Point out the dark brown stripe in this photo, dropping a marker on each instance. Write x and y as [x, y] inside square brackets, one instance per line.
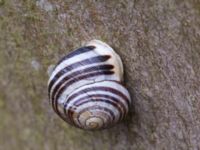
[100, 88]
[76, 52]
[79, 72]
[78, 78]
[92, 60]
[121, 107]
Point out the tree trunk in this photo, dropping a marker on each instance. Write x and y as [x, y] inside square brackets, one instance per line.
[159, 43]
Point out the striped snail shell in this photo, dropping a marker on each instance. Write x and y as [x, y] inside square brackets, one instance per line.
[85, 87]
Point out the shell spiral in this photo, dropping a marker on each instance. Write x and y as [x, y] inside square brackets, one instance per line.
[85, 87]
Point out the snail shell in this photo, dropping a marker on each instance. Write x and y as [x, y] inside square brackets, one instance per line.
[85, 88]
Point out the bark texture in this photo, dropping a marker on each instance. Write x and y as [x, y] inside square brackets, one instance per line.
[159, 42]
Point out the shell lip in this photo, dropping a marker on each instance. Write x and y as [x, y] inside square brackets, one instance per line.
[98, 42]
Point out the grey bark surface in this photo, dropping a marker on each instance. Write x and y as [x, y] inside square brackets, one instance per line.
[159, 43]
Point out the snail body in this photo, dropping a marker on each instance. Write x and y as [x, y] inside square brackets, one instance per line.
[85, 88]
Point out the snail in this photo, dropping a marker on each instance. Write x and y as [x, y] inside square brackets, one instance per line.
[86, 87]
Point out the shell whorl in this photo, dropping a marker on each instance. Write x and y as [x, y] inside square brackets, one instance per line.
[85, 87]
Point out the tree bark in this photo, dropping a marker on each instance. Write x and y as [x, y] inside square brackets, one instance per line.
[159, 43]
